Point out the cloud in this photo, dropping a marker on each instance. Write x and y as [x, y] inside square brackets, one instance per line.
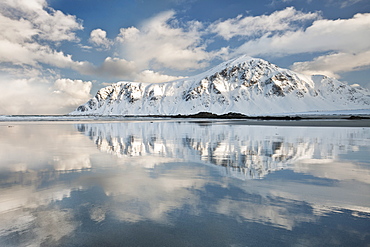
[328, 3]
[345, 35]
[77, 90]
[122, 69]
[347, 3]
[30, 31]
[154, 77]
[116, 67]
[111, 68]
[39, 96]
[334, 63]
[128, 34]
[163, 42]
[35, 19]
[98, 37]
[343, 44]
[283, 20]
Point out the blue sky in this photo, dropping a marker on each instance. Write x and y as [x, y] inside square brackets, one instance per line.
[55, 54]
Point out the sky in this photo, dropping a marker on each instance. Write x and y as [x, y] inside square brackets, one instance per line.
[56, 54]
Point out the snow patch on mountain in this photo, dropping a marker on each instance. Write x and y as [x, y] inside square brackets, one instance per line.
[249, 86]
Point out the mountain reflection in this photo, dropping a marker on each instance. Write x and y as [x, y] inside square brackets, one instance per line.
[130, 183]
[246, 152]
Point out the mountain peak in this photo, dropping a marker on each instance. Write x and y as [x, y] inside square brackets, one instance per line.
[244, 85]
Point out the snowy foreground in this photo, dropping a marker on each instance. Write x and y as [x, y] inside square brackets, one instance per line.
[246, 86]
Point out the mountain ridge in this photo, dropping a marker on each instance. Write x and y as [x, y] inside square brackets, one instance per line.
[245, 85]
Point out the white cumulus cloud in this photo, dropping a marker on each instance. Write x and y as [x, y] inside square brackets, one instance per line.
[344, 35]
[38, 96]
[284, 20]
[154, 77]
[26, 28]
[162, 42]
[98, 37]
[343, 43]
[77, 91]
[110, 68]
[37, 19]
[334, 63]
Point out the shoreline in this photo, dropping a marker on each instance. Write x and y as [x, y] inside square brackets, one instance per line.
[230, 119]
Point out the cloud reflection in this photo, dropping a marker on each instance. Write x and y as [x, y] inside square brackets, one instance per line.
[249, 152]
[137, 172]
[246, 152]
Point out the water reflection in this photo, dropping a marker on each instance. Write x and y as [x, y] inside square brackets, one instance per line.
[248, 152]
[183, 184]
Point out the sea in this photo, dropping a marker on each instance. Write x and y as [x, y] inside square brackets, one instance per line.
[183, 182]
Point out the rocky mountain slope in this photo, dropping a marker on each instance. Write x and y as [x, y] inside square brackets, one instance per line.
[248, 86]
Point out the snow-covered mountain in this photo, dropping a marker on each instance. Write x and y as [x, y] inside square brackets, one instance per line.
[249, 86]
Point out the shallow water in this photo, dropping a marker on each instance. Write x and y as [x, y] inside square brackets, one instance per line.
[183, 183]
